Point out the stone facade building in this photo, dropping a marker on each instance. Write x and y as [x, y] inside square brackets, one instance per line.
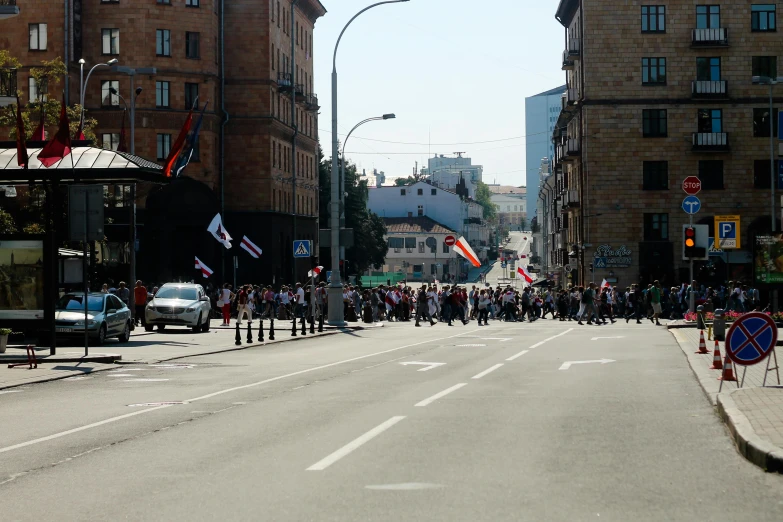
[237, 56]
[657, 91]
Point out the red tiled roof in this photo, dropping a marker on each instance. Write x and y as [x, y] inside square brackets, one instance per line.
[414, 225]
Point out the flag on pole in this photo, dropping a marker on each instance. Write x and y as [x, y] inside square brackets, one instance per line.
[22, 157]
[605, 284]
[190, 146]
[60, 145]
[315, 271]
[218, 232]
[463, 248]
[205, 270]
[39, 134]
[251, 247]
[521, 270]
[80, 131]
[176, 149]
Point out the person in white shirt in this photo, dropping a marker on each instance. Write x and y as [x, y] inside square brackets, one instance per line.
[300, 299]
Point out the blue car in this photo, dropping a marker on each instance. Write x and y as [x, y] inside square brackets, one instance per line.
[107, 317]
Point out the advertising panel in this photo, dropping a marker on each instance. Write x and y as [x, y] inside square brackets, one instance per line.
[21, 279]
[768, 259]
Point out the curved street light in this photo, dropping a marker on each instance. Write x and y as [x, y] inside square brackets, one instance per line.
[335, 294]
[83, 82]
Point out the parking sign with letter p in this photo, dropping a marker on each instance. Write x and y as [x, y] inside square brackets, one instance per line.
[727, 230]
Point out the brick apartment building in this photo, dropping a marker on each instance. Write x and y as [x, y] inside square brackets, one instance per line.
[235, 55]
[658, 91]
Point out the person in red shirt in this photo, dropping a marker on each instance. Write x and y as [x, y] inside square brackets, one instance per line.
[140, 303]
[456, 305]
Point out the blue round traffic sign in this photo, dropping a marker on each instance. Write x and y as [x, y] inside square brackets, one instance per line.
[691, 205]
[751, 338]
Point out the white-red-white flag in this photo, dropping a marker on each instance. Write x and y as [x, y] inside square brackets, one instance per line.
[251, 247]
[205, 270]
[463, 248]
[315, 271]
[521, 270]
[219, 232]
[605, 284]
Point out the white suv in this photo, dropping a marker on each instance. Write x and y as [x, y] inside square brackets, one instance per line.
[179, 304]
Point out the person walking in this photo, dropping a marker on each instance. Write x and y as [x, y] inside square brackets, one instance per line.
[655, 301]
[226, 296]
[140, 303]
[422, 306]
[243, 305]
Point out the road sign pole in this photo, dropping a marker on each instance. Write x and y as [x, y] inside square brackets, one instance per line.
[692, 298]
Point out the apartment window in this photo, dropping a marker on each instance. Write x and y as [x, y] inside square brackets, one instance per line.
[445, 248]
[162, 94]
[710, 120]
[653, 71]
[421, 247]
[762, 17]
[711, 174]
[165, 2]
[653, 18]
[37, 37]
[420, 210]
[37, 90]
[278, 13]
[110, 1]
[402, 192]
[191, 46]
[761, 123]
[654, 123]
[765, 66]
[110, 39]
[163, 42]
[655, 175]
[110, 141]
[433, 269]
[707, 16]
[419, 192]
[164, 146]
[708, 69]
[433, 192]
[761, 174]
[656, 227]
[191, 3]
[191, 94]
[108, 99]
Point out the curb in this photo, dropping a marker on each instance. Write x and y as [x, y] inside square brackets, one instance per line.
[102, 359]
[760, 452]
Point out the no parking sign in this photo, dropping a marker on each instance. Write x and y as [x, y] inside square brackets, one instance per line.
[751, 338]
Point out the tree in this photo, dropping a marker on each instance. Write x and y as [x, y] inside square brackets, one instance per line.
[401, 182]
[522, 224]
[7, 225]
[368, 228]
[484, 198]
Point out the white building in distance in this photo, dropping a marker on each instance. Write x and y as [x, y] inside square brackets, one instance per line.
[446, 172]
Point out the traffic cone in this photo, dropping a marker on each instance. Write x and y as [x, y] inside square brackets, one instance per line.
[702, 344]
[716, 362]
[728, 372]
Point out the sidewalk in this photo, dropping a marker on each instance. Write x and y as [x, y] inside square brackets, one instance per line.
[148, 348]
[753, 414]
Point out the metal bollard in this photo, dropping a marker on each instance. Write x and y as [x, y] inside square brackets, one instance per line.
[321, 322]
[719, 325]
[238, 336]
[261, 331]
[304, 332]
[293, 327]
[709, 332]
[249, 333]
[272, 327]
[700, 317]
[312, 325]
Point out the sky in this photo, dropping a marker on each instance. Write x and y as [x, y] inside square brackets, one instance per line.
[455, 73]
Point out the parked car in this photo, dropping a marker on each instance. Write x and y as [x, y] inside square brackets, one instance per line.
[179, 304]
[107, 317]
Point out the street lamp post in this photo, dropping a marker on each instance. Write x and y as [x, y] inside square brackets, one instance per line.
[83, 81]
[342, 172]
[336, 316]
[766, 80]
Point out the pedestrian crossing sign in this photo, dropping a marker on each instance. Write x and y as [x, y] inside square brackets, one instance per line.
[302, 248]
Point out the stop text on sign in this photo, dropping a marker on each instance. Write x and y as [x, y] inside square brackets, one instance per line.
[691, 185]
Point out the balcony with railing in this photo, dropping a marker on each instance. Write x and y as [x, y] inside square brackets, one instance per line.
[717, 37]
[284, 82]
[8, 8]
[710, 89]
[710, 141]
[7, 87]
[572, 96]
[311, 102]
[568, 61]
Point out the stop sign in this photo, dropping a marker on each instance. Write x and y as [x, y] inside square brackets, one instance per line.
[691, 185]
[450, 240]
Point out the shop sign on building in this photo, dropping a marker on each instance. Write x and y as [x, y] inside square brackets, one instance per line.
[606, 257]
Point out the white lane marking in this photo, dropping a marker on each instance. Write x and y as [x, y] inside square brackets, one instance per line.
[316, 368]
[520, 354]
[470, 345]
[550, 338]
[354, 445]
[566, 365]
[129, 370]
[488, 370]
[501, 339]
[144, 380]
[428, 365]
[615, 337]
[112, 374]
[80, 428]
[229, 390]
[10, 391]
[405, 486]
[438, 395]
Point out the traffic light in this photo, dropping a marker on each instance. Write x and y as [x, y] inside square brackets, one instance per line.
[690, 250]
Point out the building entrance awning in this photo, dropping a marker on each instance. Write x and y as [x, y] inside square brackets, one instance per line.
[90, 165]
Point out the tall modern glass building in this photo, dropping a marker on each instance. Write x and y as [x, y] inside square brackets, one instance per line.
[541, 112]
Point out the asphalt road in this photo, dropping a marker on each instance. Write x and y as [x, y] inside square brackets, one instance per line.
[511, 425]
[519, 241]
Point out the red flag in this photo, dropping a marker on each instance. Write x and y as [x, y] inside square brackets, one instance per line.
[21, 147]
[39, 134]
[122, 146]
[80, 131]
[178, 145]
[60, 145]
